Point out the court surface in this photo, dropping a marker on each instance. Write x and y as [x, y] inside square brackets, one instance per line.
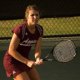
[50, 70]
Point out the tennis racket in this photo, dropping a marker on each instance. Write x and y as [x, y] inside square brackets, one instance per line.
[64, 51]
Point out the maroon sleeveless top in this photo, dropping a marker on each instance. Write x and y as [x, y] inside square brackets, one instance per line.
[27, 39]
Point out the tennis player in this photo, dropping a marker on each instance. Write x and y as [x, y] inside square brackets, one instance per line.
[16, 59]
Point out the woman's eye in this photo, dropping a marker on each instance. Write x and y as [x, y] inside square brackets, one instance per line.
[34, 15]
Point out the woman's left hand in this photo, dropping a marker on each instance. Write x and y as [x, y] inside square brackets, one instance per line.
[38, 62]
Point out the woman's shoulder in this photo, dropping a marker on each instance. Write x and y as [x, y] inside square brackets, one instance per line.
[40, 26]
[40, 29]
[19, 30]
[18, 26]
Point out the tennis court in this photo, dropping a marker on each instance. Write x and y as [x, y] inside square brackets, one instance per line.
[51, 70]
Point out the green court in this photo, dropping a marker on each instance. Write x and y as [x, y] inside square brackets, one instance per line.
[50, 70]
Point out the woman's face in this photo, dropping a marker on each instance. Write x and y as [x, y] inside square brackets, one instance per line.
[32, 17]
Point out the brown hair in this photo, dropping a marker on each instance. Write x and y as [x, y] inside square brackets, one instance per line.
[29, 7]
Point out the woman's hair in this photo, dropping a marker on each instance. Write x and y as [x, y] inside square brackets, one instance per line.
[31, 7]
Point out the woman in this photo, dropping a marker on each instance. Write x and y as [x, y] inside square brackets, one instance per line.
[16, 60]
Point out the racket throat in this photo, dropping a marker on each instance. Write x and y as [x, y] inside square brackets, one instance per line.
[47, 59]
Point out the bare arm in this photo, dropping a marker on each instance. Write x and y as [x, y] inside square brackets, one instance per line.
[38, 51]
[12, 50]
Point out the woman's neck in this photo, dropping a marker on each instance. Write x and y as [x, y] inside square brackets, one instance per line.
[31, 28]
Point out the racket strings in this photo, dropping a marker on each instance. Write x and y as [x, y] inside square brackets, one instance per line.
[64, 51]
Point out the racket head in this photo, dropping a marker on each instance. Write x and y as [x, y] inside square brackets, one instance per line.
[64, 51]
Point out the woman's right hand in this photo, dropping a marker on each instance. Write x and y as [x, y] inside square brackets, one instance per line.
[30, 63]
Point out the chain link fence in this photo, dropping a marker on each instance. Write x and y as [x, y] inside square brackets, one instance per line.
[52, 26]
